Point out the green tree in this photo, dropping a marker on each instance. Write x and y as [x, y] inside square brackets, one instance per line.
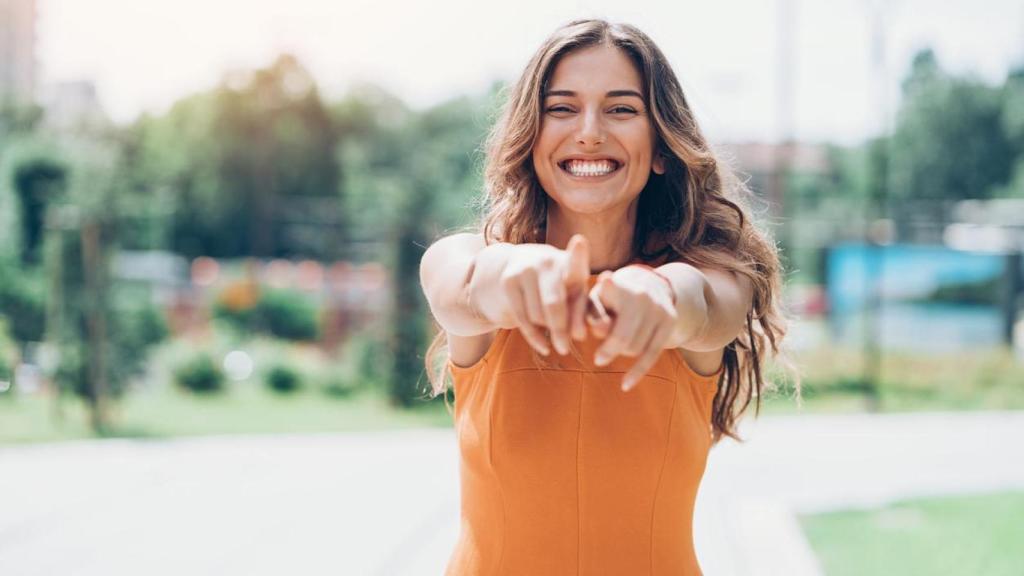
[950, 140]
[248, 168]
[37, 181]
[1013, 126]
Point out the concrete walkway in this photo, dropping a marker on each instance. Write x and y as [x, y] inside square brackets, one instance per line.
[386, 503]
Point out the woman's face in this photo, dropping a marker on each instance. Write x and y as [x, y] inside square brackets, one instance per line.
[595, 147]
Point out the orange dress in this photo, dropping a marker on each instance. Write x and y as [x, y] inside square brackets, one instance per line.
[562, 473]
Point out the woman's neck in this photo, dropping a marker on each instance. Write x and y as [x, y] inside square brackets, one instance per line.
[610, 236]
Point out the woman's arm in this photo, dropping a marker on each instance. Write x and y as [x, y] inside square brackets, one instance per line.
[474, 288]
[457, 267]
[712, 305]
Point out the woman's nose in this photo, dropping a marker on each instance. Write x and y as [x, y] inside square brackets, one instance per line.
[590, 131]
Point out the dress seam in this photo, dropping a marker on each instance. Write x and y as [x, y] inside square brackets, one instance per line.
[580, 371]
[497, 477]
[579, 507]
[661, 471]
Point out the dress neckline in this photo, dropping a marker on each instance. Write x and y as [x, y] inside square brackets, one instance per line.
[636, 261]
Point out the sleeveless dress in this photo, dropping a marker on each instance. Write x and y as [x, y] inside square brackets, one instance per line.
[562, 473]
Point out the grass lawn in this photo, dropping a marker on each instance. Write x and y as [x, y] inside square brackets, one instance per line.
[979, 535]
[244, 410]
[966, 380]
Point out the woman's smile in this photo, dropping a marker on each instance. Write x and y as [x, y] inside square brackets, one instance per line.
[590, 171]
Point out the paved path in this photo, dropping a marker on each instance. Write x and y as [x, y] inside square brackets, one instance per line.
[385, 503]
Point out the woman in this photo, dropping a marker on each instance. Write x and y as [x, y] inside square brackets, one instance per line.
[615, 251]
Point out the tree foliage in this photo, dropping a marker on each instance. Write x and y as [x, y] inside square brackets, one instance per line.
[951, 139]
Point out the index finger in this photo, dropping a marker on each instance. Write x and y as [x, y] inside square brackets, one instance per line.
[554, 307]
[647, 359]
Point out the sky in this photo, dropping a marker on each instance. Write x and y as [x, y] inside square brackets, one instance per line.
[728, 54]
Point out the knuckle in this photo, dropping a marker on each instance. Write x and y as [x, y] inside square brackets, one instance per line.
[509, 281]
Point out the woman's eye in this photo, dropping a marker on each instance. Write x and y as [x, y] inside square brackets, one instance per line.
[615, 110]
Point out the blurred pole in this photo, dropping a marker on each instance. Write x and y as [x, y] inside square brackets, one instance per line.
[1012, 288]
[53, 259]
[784, 149]
[878, 158]
[95, 310]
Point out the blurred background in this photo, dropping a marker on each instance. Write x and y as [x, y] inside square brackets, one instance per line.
[211, 221]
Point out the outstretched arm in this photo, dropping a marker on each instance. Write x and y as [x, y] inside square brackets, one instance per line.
[711, 304]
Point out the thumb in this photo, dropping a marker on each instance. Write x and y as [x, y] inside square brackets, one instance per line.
[607, 292]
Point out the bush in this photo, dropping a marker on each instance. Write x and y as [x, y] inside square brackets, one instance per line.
[6, 359]
[281, 313]
[135, 326]
[339, 385]
[283, 379]
[236, 305]
[287, 314]
[200, 374]
[23, 301]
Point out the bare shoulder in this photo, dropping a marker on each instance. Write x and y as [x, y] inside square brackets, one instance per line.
[703, 362]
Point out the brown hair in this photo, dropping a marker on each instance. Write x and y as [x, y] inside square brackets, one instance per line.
[695, 212]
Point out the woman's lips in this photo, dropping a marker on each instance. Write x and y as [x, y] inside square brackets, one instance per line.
[588, 178]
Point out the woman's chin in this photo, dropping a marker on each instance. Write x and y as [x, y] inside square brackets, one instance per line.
[585, 205]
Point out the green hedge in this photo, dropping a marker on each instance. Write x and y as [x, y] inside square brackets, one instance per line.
[200, 374]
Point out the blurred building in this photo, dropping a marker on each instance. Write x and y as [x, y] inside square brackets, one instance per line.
[986, 225]
[762, 161]
[18, 48]
[766, 167]
[72, 105]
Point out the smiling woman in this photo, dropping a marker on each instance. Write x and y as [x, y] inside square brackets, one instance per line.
[614, 238]
[595, 94]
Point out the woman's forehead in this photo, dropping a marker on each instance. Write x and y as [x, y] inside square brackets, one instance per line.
[596, 70]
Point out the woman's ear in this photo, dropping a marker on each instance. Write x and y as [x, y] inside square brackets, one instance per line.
[659, 164]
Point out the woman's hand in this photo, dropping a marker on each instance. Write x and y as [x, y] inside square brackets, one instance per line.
[641, 318]
[546, 288]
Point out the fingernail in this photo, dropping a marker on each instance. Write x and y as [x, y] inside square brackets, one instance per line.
[600, 359]
[626, 386]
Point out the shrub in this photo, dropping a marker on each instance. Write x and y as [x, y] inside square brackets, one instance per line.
[283, 379]
[236, 305]
[6, 360]
[284, 314]
[200, 374]
[338, 384]
[23, 301]
[287, 314]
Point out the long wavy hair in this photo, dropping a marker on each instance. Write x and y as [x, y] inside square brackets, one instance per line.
[696, 212]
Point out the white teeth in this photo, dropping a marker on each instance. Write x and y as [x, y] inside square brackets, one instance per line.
[589, 168]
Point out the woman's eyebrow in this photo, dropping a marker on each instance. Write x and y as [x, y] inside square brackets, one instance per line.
[610, 94]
